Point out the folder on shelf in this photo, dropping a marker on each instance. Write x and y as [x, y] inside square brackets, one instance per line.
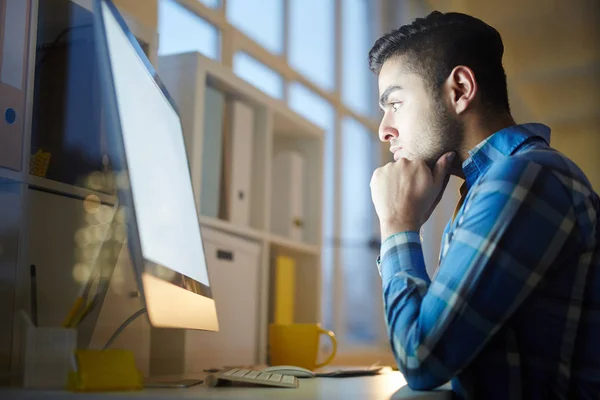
[288, 191]
[14, 38]
[237, 165]
[285, 289]
[212, 148]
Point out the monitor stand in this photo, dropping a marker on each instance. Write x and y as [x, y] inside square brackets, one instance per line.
[171, 382]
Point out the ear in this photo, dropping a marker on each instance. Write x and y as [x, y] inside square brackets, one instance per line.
[462, 88]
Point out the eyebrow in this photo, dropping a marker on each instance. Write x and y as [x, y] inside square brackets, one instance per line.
[384, 96]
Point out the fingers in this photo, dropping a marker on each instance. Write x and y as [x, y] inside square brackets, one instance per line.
[443, 189]
[442, 167]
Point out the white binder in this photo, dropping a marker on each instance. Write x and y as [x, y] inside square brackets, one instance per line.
[14, 39]
[241, 144]
[287, 200]
[212, 150]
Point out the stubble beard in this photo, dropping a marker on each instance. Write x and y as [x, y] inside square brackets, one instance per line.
[446, 133]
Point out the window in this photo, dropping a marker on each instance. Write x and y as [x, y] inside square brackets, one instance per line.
[311, 40]
[356, 43]
[182, 31]
[211, 3]
[316, 39]
[262, 20]
[362, 310]
[321, 113]
[258, 74]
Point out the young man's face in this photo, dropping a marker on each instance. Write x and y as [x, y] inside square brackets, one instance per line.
[415, 123]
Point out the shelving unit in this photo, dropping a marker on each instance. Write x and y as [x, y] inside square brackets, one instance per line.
[291, 246]
[275, 127]
[225, 226]
[64, 189]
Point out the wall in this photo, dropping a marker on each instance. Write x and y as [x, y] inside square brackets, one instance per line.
[144, 11]
[581, 143]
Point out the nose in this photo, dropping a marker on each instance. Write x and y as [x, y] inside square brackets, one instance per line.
[386, 131]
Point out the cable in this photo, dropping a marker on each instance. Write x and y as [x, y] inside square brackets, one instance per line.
[48, 47]
[124, 325]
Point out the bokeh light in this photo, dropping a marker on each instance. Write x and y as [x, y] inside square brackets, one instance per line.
[92, 204]
[105, 214]
[95, 181]
[120, 233]
[122, 181]
[81, 272]
[121, 216]
[82, 237]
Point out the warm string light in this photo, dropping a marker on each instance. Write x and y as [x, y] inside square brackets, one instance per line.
[98, 242]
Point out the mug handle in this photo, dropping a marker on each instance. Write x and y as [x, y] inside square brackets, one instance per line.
[333, 351]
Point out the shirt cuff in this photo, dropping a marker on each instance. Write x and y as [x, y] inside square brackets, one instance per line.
[402, 252]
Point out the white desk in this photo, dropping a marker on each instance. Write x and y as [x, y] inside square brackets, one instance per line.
[388, 385]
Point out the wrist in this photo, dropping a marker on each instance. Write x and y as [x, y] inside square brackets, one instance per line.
[389, 228]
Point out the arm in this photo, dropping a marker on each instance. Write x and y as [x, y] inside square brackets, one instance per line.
[515, 225]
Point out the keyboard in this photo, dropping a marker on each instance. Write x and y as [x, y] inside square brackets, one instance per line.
[253, 377]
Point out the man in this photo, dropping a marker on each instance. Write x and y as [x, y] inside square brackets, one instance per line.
[513, 311]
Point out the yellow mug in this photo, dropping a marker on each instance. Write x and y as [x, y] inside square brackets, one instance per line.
[298, 345]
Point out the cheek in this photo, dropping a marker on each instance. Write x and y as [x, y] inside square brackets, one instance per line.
[419, 135]
[409, 127]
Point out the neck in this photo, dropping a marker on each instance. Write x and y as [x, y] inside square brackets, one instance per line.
[477, 129]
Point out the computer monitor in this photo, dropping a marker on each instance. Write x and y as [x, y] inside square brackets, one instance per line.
[147, 153]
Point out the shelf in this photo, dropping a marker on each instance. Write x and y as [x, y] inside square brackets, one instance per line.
[294, 246]
[286, 123]
[8, 175]
[49, 185]
[226, 226]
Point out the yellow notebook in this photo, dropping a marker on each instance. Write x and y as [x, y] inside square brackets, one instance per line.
[285, 289]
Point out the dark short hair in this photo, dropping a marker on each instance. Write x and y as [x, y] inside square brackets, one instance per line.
[434, 45]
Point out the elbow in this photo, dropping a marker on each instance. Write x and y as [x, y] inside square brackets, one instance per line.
[420, 370]
[421, 382]
[421, 378]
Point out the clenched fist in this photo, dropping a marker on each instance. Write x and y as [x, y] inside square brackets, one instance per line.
[406, 192]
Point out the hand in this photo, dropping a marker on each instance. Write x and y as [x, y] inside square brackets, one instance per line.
[406, 192]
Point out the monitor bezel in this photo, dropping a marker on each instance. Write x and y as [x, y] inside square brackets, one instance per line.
[119, 164]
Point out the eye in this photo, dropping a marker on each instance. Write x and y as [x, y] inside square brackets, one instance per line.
[395, 106]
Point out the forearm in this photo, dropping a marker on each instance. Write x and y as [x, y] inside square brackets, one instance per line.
[405, 283]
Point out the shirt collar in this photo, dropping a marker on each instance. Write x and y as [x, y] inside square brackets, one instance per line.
[498, 146]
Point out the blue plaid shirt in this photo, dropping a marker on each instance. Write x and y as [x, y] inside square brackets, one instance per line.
[513, 311]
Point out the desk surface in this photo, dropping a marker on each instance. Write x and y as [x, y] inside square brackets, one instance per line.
[388, 385]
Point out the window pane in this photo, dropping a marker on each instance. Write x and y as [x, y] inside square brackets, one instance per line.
[311, 40]
[258, 74]
[356, 43]
[321, 113]
[182, 31]
[262, 20]
[211, 3]
[362, 287]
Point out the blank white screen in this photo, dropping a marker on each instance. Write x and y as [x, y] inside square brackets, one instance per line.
[157, 162]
